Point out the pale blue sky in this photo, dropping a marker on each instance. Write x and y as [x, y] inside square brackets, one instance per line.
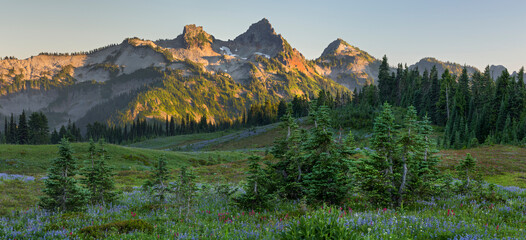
[470, 32]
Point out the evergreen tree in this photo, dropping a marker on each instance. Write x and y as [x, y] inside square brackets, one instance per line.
[326, 181]
[256, 194]
[99, 177]
[289, 170]
[23, 129]
[55, 138]
[6, 131]
[502, 86]
[462, 94]
[158, 184]
[38, 129]
[172, 126]
[433, 95]
[61, 190]
[12, 131]
[466, 170]
[385, 85]
[426, 173]
[88, 173]
[411, 145]
[416, 170]
[520, 78]
[282, 108]
[376, 174]
[445, 99]
[167, 127]
[186, 187]
[63, 133]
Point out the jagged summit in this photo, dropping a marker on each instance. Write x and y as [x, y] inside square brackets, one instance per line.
[263, 27]
[195, 37]
[259, 33]
[211, 78]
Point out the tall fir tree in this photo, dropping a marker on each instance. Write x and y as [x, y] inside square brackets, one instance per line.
[445, 100]
[462, 94]
[426, 172]
[61, 189]
[257, 194]
[158, 182]
[38, 128]
[289, 170]
[433, 95]
[385, 81]
[23, 129]
[186, 188]
[6, 131]
[410, 145]
[326, 181]
[376, 174]
[99, 177]
[13, 131]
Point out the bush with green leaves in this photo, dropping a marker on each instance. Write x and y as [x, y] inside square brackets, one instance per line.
[125, 226]
[321, 224]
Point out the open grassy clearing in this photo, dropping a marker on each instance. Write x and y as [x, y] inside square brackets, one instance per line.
[179, 140]
[257, 141]
[500, 164]
[34, 159]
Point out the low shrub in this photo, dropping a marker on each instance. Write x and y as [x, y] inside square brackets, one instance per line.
[121, 227]
[318, 226]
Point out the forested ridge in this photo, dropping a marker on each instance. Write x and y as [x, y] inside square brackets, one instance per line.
[469, 109]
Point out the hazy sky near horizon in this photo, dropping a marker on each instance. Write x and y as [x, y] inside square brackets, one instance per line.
[472, 32]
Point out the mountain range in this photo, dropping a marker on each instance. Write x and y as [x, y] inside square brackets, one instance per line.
[192, 75]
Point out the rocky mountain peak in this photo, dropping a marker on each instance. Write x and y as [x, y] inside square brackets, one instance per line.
[338, 47]
[260, 33]
[195, 37]
[263, 27]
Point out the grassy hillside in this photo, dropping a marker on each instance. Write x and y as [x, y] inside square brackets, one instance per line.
[131, 166]
[248, 139]
[34, 160]
[179, 140]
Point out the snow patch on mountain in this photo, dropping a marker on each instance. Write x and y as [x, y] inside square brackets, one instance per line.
[227, 51]
[262, 54]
